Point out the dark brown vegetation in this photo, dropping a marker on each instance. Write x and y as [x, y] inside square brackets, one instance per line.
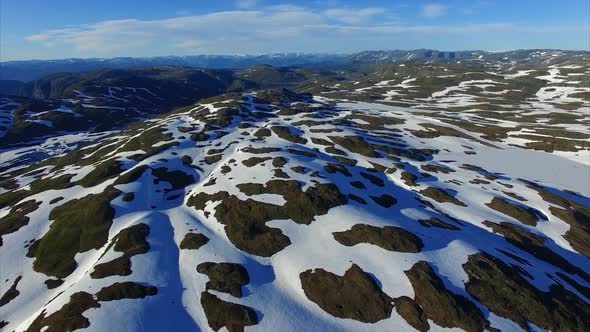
[193, 241]
[435, 222]
[443, 307]
[70, 317]
[130, 241]
[534, 245]
[11, 293]
[245, 220]
[177, 179]
[17, 218]
[354, 295]
[286, 134]
[225, 277]
[355, 144]
[384, 200]
[102, 172]
[231, 315]
[79, 225]
[441, 196]
[573, 213]
[125, 290]
[389, 238]
[495, 284]
[525, 215]
[412, 313]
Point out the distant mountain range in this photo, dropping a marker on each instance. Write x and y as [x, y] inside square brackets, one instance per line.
[34, 69]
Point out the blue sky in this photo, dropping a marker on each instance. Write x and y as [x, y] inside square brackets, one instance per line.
[41, 29]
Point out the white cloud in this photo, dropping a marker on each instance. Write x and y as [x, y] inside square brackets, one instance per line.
[191, 44]
[434, 10]
[270, 29]
[224, 27]
[353, 16]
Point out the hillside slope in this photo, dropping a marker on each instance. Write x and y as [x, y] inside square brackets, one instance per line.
[273, 210]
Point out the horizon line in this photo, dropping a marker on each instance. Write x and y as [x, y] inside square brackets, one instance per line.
[299, 53]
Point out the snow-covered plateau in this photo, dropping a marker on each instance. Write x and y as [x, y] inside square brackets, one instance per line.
[377, 204]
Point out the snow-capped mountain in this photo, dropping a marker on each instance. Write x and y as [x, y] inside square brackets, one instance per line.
[407, 196]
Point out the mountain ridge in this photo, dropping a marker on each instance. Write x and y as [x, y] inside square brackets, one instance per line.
[27, 70]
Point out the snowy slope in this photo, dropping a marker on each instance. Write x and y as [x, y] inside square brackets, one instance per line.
[275, 182]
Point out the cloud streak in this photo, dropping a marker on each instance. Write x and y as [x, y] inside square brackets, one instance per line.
[270, 29]
[354, 16]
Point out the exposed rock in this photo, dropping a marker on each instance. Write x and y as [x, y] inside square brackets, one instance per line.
[373, 179]
[262, 132]
[177, 179]
[286, 134]
[79, 225]
[17, 218]
[253, 161]
[436, 168]
[443, 307]
[441, 196]
[384, 200]
[355, 144]
[120, 266]
[279, 162]
[225, 277]
[358, 185]
[226, 314]
[130, 241]
[412, 313]
[389, 238]
[573, 213]
[336, 168]
[409, 179]
[354, 295]
[53, 283]
[68, 318]
[125, 290]
[11, 293]
[55, 200]
[534, 245]
[128, 197]
[102, 172]
[131, 176]
[435, 222]
[193, 241]
[245, 220]
[495, 285]
[525, 215]
[264, 150]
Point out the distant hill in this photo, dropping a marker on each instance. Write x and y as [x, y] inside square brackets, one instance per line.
[10, 87]
[34, 69]
[107, 99]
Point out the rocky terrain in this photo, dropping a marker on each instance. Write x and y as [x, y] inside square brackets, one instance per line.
[403, 196]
